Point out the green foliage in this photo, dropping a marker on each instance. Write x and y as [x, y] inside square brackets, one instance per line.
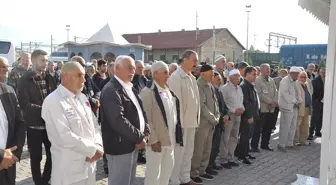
[322, 64]
[250, 62]
[281, 64]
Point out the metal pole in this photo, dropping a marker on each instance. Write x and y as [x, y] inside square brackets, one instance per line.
[30, 46]
[51, 44]
[269, 43]
[247, 31]
[213, 44]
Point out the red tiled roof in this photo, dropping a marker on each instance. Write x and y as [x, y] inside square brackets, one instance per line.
[174, 39]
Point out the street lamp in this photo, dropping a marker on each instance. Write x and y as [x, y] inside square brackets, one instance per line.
[67, 28]
[247, 29]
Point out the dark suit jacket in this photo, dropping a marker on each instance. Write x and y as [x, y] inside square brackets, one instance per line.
[139, 82]
[251, 102]
[318, 93]
[16, 130]
[120, 120]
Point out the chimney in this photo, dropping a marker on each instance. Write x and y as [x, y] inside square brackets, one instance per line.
[139, 39]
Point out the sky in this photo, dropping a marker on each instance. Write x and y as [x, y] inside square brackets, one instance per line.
[37, 20]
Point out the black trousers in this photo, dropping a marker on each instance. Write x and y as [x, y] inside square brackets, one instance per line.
[35, 139]
[7, 177]
[316, 122]
[244, 139]
[216, 139]
[275, 117]
[262, 127]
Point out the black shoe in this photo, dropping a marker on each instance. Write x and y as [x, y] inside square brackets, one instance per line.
[211, 172]
[256, 150]
[226, 166]
[141, 159]
[233, 164]
[267, 148]
[245, 161]
[207, 177]
[318, 135]
[250, 156]
[310, 138]
[217, 168]
[197, 180]
[106, 171]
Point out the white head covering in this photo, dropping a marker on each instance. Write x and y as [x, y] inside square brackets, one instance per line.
[295, 69]
[147, 67]
[234, 72]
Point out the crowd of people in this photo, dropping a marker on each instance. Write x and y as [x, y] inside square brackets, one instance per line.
[186, 121]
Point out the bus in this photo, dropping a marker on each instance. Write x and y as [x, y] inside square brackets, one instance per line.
[7, 50]
[58, 56]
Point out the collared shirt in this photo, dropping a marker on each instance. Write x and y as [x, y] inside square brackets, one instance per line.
[130, 93]
[233, 96]
[3, 127]
[170, 109]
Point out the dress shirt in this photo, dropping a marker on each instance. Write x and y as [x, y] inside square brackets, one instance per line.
[130, 93]
[3, 127]
[170, 110]
[233, 96]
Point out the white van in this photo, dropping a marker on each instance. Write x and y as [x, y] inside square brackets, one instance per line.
[7, 50]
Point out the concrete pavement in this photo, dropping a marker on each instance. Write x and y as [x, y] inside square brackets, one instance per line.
[270, 168]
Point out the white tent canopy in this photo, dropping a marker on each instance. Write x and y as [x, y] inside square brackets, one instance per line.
[105, 34]
[319, 8]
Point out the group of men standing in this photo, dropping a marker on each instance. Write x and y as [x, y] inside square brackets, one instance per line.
[183, 122]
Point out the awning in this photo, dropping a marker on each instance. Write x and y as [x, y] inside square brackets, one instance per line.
[319, 8]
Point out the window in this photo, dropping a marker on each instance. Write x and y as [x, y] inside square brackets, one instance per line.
[150, 57]
[4, 47]
[162, 57]
[175, 58]
[59, 54]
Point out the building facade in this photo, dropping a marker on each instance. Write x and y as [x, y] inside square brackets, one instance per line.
[169, 46]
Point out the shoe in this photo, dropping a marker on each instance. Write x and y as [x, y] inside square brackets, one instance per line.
[211, 172]
[233, 164]
[318, 135]
[226, 166]
[292, 147]
[106, 171]
[217, 168]
[245, 160]
[282, 149]
[310, 138]
[273, 130]
[306, 143]
[197, 180]
[250, 156]
[267, 148]
[256, 150]
[207, 177]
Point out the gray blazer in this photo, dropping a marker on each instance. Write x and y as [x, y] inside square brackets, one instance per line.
[209, 109]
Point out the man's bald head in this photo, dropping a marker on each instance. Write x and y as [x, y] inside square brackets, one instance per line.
[73, 74]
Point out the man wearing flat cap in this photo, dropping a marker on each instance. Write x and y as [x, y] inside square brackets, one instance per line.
[208, 120]
[289, 101]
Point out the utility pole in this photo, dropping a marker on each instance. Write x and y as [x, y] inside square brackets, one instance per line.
[213, 45]
[51, 44]
[67, 28]
[30, 46]
[247, 30]
[196, 24]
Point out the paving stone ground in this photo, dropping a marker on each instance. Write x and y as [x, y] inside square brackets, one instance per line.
[270, 168]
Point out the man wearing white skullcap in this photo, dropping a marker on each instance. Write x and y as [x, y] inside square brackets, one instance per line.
[220, 67]
[233, 97]
[148, 72]
[289, 101]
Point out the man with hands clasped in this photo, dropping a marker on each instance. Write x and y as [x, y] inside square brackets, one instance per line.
[251, 114]
[73, 130]
[233, 97]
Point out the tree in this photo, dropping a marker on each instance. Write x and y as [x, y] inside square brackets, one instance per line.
[251, 48]
[250, 62]
[322, 64]
[281, 64]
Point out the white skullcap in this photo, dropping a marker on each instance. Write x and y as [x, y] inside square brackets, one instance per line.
[147, 67]
[295, 69]
[234, 72]
[158, 65]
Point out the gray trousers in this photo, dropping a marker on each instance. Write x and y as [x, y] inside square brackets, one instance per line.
[122, 168]
[229, 139]
[287, 127]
